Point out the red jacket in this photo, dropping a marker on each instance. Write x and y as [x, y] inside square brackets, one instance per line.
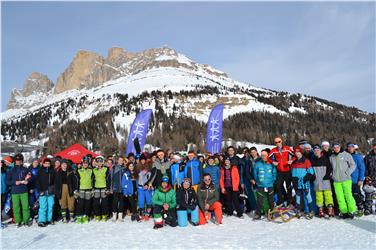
[235, 178]
[282, 158]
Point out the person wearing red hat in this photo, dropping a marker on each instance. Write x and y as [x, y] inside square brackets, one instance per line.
[281, 157]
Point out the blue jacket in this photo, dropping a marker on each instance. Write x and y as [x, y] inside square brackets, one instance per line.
[116, 175]
[4, 188]
[265, 174]
[177, 174]
[300, 168]
[127, 184]
[359, 172]
[34, 171]
[17, 173]
[214, 172]
[193, 170]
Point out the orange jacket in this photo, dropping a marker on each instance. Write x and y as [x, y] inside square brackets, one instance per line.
[235, 178]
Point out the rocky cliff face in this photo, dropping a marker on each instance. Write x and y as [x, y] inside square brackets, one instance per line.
[35, 84]
[89, 70]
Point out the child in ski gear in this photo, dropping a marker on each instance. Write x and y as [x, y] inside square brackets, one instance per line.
[101, 186]
[370, 193]
[343, 166]
[33, 191]
[208, 201]
[129, 186]
[85, 175]
[164, 203]
[193, 170]
[323, 172]
[45, 182]
[186, 199]
[212, 168]
[247, 163]
[281, 157]
[265, 174]
[177, 171]
[116, 189]
[161, 167]
[65, 186]
[229, 184]
[144, 192]
[357, 177]
[17, 179]
[302, 173]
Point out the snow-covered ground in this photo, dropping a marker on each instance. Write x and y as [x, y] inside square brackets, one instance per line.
[234, 233]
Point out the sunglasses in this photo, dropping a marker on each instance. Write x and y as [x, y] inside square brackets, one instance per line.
[277, 142]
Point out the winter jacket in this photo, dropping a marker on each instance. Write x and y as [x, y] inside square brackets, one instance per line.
[34, 172]
[282, 156]
[45, 181]
[162, 196]
[343, 166]
[214, 172]
[264, 174]
[207, 195]
[247, 169]
[303, 171]
[86, 178]
[360, 168]
[17, 173]
[235, 178]
[158, 170]
[323, 172]
[71, 182]
[115, 177]
[370, 161]
[177, 173]
[4, 187]
[128, 184]
[101, 179]
[186, 199]
[193, 170]
[235, 160]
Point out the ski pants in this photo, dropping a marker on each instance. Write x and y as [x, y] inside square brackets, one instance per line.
[344, 196]
[117, 203]
[232, 198]
[84, 203]
[283, 194]
[251, 201]
[66, 201]
[303, 197]
[21, 201]
[370, 192]
[183, 216]
[132, 199]
[169, 216]
[324, 197]
[144, 194]
[46, 204]
[264, 193]
[100, 202]
[217, 208]
[358, 196]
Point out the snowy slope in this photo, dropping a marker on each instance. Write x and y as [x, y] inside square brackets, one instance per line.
[234, 233]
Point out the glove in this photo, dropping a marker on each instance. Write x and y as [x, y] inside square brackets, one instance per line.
[307, 177]
[76, 194]
[295, 182]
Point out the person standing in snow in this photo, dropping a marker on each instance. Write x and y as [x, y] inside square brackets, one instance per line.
[343, 166]
[101, 190]
[161, 167]
[193, 170]
[212, 168]
[369, 188]
[116, 189]
[85, 194]
[129, 187]
[323, 172]
[264, 174]
[33, 191]
[281, 157]
[144, 192]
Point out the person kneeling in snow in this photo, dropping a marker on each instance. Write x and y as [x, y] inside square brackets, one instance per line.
[208, 196]
[186, 199]
[164, 203]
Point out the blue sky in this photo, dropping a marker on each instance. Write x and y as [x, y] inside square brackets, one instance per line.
[321, 49]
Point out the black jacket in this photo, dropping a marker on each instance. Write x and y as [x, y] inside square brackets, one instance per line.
[186, 199]
[45, 181]
[71, 182]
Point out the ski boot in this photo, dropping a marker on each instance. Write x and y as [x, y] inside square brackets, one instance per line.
[351, 216]
[310, 215]
[72, 218]
[97, 218]
[114, 217]
[79, 219]
[331, 211]
[42, 224]
[257, 216]
[85, 219]
[120, 217]
[360, 213]
[104, 218]
[321, 212]
[158, 225]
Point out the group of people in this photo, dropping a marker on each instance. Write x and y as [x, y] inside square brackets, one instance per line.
[179, 189]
